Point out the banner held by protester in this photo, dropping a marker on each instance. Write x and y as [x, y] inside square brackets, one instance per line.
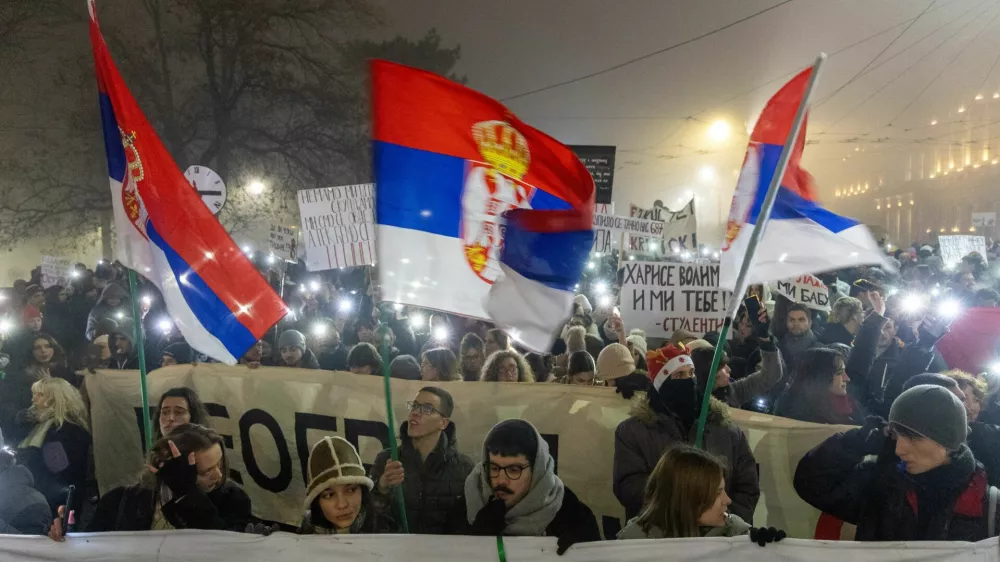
[660, 298]
[55, 271]
[956, 247]
[338, 226]
[806, 290]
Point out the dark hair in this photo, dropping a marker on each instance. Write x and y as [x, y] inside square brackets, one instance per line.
[58, 354]
[199, 414]
[799, 307]
[365, 354]
[405, 367]
[540, 364]
[189, 438]
[447, 402]
[811, 385]
[511, 438]
[444, 362]
[499, 336]
[594, 345]
[470, 341]
[318, 519]
[580, 362]
[702, 358]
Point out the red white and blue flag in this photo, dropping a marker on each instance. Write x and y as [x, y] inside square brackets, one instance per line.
[478, 213]
[216, 297]
[800, 236]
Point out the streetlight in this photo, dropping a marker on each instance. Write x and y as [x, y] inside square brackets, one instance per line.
[719, 130]
[256, 187]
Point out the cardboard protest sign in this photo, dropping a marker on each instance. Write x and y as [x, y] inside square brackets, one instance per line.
[55, 271]
[954, 248]
[338, 225]
[680, 230]
[663, 297]
[283, 242]
[806, 290]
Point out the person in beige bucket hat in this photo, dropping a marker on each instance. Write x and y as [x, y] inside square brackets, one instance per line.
[338, 496]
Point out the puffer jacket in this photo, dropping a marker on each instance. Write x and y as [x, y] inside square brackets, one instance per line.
[642, 439]
[433, 489]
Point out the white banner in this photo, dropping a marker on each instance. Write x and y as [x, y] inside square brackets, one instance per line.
[984, 220]
[270, 418]
[604, 239]
[283, 243]
[662, 297]
[221, 546]
[680, 230]
[55, 271]
[338, 225]
[954, 248]
[806, 290]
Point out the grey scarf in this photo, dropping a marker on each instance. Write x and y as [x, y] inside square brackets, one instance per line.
[796, 345]
[536, 510]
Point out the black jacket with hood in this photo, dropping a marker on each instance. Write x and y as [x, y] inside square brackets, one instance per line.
[433, 488]
[103, 310]
[131, 508]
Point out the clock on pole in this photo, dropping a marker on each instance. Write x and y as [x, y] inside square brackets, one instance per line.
[209, 186]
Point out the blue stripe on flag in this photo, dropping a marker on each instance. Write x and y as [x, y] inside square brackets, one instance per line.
[555, 259]
[112, 139]
[213, 314]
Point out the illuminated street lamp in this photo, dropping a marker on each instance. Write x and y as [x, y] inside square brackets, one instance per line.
[255, 187]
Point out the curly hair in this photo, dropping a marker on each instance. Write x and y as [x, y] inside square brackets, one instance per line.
[491, 370]
[844, 309]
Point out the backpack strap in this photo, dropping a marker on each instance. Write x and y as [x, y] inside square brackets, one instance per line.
[992, 511]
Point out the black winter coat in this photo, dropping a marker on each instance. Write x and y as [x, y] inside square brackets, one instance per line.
[62, 461]
[334, 359]
[884, 501]
[131, 508]
[836, 333]
[433, 489]
[23, 510]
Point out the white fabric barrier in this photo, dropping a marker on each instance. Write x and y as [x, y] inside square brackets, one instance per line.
[171, 546]
[270, 418]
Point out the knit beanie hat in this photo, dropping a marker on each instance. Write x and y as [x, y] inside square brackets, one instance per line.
[333, 461]
[292, 338]
[584, 303]
[675, 357]
[615, 361]
[934, 412]
[510, 438]
[638, 340]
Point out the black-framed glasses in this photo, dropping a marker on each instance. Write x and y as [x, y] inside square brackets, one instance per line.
[423, 409]
[513, 471]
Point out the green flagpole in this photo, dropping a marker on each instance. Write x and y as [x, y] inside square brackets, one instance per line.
[141, 347]
[758, 230]
[393, 449]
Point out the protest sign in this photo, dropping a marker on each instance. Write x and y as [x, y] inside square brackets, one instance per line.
[270, 417]
[603, 238]
[600, 162]
[629, 225]
[55, 271]
[680, 230]
[986, 221]
[806, 290]
[954, 248]
[338, 225]
[283, 242]
[663, 297]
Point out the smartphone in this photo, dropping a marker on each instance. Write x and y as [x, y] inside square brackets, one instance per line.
[754, 305]
[67, 515]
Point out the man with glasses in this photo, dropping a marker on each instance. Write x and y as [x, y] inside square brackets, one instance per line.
[430, 469]
[515, 491]
[473, 355]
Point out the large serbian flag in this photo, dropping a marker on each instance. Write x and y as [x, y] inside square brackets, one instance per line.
[217, 299]
[478, 213]
[801, 236]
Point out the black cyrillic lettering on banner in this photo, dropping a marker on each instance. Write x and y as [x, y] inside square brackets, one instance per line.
[305, 421]
[353, 429]
[219, 411]
[553, 440]
[280, 482]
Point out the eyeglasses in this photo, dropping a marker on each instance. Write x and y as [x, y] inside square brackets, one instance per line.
[424, 409]
[513, 471]
[510, 369]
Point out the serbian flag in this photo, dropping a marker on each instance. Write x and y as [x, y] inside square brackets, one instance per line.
[972, 343]
[800, 236]
[215, 296]
[478, 214]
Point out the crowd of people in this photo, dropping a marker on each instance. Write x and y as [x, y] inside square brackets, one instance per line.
[920, 466]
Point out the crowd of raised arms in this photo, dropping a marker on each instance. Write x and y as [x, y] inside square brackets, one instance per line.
[920, 466]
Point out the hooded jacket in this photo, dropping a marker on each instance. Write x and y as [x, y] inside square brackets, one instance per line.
[642, 439]
[131, 508]
[126, 362]
[433, 488]
[103, 310]
[23, 509]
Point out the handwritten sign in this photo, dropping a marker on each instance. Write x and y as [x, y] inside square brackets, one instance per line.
[55, 271]
[663, 297]
[283, 243]
[954, 248]
[806, 290]
[603, 238]
[338, 225]
[680, 230]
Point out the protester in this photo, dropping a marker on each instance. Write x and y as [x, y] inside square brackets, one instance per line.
[177, 353]
[124, 354]
[938, 492]
[845, 320]
[580, 370]
[439, 364]
[294, 354]
[473, 354]
[686, 497]
[496, 340]
[737, 392]
[405, 367]
[516, 492]
[974, 390]
[334, 357]
[56, 439]
[179, 406]
[384, 338]
[667, 418]
[338, 495]
[255, 356]
[799, 336]
[987, 298]
[111, 305]
[364, 360]
[184, 486]
[818, 393]
[23, 509]
[430, 469]
[506, 366]
[636, 343]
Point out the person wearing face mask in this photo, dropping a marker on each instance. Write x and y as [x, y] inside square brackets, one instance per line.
[507, 366]
[686, 498]
[184, 486]
[666, 418]
[915, 480]
[293, 351]
[339, 495]
[430, 469]
[514, 491]
[819, 392]
[745, 390]
[844, 322]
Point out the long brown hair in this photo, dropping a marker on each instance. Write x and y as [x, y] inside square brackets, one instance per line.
[189, 438]
[682, 486]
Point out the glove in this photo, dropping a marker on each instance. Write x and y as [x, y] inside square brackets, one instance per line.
[874, 435]
[764, 535]
[931, 330]
[565, 541]
[629, 384]
[490, 519]
[179, 475]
